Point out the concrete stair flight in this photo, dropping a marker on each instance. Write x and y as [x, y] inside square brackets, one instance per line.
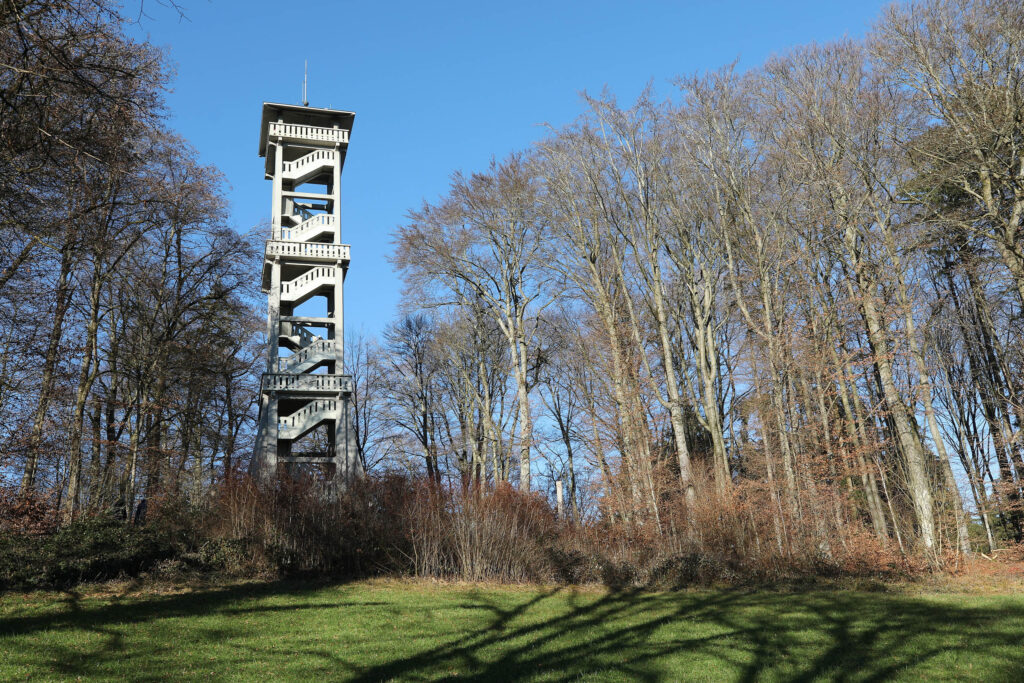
[295, 336]
[303, 212]
[311, 228]
[308, 357]
[309, 166]
[306, 418]
[306, 285]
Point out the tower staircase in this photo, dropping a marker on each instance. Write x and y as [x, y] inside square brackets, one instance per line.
[300, 289]
[307, 167]
[311, 229]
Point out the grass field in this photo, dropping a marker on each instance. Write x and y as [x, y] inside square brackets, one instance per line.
[374, 631]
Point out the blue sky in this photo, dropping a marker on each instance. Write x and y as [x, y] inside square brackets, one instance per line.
[439, 87]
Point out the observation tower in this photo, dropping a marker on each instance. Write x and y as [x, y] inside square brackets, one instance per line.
[305, 395]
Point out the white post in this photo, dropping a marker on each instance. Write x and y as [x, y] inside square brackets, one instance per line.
[560, 502]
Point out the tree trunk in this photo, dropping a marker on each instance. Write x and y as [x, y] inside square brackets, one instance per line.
[86, 377]
[63, 302]
[906, 432]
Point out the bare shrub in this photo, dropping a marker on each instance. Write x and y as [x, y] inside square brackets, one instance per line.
[31, 514]
[501, 535]
[401, 526]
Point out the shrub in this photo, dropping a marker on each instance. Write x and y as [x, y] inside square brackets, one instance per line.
[397, 525]
[501, 535]
[26, 515]
[92, 549]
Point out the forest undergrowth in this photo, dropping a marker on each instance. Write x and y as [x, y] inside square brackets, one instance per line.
[396, 526]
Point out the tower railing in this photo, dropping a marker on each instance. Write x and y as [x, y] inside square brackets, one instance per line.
[309, 250]
[308, 383]
[293, 131]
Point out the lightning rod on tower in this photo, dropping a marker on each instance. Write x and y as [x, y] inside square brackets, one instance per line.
[305, 79]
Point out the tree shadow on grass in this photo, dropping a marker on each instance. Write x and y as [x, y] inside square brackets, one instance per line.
[728, 636]
[112, 618]
[556, 635]
[131, 609]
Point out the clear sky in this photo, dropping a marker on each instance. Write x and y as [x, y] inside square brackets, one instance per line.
[441, 86]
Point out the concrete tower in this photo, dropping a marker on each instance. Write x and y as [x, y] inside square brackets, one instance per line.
[304, 392]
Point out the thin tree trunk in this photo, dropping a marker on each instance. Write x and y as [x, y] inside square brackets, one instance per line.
[906, 432]
[86, 377]
[63, 302]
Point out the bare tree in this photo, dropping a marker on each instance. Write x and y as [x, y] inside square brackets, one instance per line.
[482, 246]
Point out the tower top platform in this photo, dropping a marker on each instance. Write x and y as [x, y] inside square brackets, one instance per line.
[298, 115]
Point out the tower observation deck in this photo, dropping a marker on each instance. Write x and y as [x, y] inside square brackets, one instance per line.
[305, 394]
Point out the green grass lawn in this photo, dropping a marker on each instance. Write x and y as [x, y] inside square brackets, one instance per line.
[414, 631]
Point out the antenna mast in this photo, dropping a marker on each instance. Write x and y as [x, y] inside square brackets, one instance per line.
[305, 78]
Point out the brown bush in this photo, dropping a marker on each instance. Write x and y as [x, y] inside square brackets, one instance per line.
[305, 526]
[31, 515]
[502, 535]
[385, 525]
[401, 526]
[397, 525]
